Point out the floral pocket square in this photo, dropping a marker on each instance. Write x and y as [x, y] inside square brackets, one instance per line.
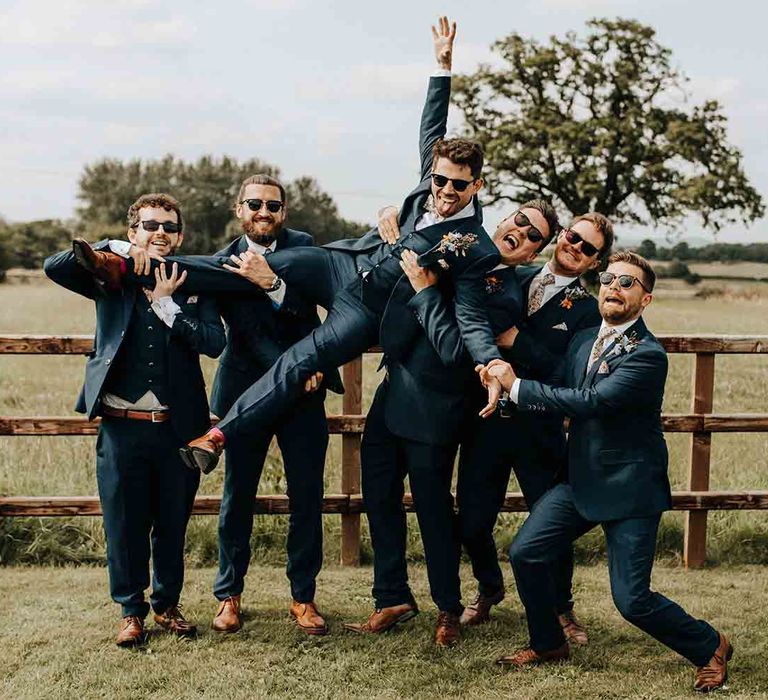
[192, 299]
[603, 368]
[560, 327]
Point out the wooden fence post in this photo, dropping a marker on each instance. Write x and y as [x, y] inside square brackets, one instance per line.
[695, 542]
[352, 402]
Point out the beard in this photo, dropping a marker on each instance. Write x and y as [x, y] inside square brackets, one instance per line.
[265, 239]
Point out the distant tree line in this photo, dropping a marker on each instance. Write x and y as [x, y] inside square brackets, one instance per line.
[714, 252]
[206, 188]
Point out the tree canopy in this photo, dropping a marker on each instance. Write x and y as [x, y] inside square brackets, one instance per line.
[601, 122]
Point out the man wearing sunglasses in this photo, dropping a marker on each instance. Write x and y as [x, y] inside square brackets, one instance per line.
[354, 279]
[556, 307]
[144, 379]
[260, 327]
[611, 385]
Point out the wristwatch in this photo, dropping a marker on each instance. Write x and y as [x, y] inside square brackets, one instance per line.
[276, 284]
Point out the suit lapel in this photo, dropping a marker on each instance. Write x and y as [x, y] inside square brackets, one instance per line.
[610, 355]
[582, 358]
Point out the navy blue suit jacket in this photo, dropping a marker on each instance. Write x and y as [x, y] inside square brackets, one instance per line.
[198, 329]
[617, 456]
[544, 336]
[465, 270]
[257, 333]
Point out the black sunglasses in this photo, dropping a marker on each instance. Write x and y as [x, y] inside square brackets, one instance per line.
[574, 239]
[625, 281]
[458, 185]
[168, 226]
[273, 205]
[533, 234]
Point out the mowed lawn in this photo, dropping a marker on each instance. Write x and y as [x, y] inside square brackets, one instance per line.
[57, 628]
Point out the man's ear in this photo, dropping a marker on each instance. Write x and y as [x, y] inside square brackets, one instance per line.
[180, 239]
[478, 185]
[132, 235]
[531, 257]
[595, 264]
[647, 299]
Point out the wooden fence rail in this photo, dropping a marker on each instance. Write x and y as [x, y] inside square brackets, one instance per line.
[701, 423]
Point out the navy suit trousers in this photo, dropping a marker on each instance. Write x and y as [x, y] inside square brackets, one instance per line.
[303, 438]
[551, 527]
[386, 460]
[146, 496]
[533, 447]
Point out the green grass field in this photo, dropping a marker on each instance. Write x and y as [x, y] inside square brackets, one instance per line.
[58, 626]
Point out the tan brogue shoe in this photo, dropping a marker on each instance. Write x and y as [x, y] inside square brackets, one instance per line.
[106, 266]
[529, 657]
[479, 610]
[715, 673]
[447, 629]
[574, 631]
[229, 616]
[174, 622]
[384, 619]
[131, 632]
[308, 618]
[204, 452]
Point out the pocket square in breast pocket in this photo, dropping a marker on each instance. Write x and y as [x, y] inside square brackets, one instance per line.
[560, 327]
[603, 368]
[192, 299]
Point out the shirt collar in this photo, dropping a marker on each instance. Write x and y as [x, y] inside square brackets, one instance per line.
[464, 213]
[258, 248]
[560, 280]
[622, 328]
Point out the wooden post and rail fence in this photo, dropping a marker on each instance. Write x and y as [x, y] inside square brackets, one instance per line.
[701, 423]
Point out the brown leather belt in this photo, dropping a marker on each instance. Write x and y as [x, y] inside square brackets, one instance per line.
[154, 416]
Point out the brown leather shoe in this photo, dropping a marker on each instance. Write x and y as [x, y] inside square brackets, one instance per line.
[174, 622]
[308, 618]
[384, 619]
[204, 452]
[229, 617]
[107, 267]
[574, 631]
[715, 673]
[479, 610]
[131, 632]
[529, 657]
[447, 629]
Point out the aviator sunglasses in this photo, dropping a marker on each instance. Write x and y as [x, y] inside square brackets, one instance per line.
[273, 205]
[625, 281]
[168, 226]
[458, 185]
[574, 239]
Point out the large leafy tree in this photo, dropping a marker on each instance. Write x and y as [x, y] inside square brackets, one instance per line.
[602, 122]
[206, 189]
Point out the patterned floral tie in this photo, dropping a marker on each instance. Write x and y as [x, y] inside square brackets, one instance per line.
[534, 303]
[605, 334]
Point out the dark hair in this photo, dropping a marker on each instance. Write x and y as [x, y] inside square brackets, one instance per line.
[545, 208]
[604, 227]
[627, 256]
[460, 151]
[154, 199]
[260, 179]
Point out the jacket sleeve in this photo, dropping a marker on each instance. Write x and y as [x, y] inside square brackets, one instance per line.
[436, 316]
[470, 311]
[204, 333]
[63, 269]
[246, 324]
[434, 120]
[638, 382]
[293, 303]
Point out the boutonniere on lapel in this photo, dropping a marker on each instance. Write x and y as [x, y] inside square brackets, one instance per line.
[493, 284]
[603, 368]
[456, 243]
[573, 294]
[625, 344]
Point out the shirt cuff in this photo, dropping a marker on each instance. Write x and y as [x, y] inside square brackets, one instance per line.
[442, 73]
[278, 296]
[514, 391]
[166, 309]
[121, 248]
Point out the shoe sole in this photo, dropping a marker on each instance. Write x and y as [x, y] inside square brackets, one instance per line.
[139, 641]
[188, 456]
[82, 260]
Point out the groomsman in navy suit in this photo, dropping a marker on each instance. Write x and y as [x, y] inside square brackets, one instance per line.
[556, 307]
[260, 327]
[611, 385]
[419, 413]
[441, 221]
[144, 379]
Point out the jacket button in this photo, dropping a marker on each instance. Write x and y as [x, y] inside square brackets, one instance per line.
[108, 361]
[151, 364]
[150, 328]
[122, 334]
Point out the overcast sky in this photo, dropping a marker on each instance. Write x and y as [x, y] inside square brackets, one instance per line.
[328, 89]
